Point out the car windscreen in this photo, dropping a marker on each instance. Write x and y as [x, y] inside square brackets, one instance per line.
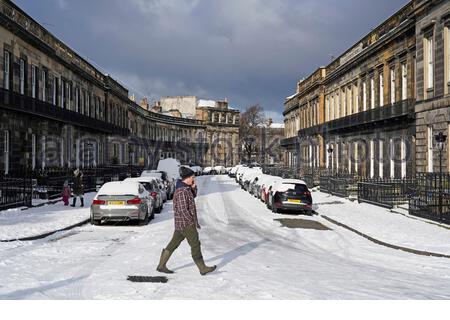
[297, 187]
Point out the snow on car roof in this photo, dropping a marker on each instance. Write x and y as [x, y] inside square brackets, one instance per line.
[120, 188]
[151, 174]
[286, 184]
[293, 181]
[143, 179]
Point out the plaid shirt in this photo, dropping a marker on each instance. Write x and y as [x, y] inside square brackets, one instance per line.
[184, 208]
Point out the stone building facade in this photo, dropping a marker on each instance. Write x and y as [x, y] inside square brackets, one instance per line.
[433, 83]
[57, 110]
[221, 123]
[305, 110]
[379, 119]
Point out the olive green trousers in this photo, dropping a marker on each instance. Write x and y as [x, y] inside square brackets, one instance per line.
[191, 234]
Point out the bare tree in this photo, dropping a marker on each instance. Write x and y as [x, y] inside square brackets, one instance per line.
[251, 122]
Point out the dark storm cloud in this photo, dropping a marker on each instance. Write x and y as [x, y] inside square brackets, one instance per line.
[249, 51]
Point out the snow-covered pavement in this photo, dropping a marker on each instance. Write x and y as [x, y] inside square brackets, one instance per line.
[17, 223]
[257, 258]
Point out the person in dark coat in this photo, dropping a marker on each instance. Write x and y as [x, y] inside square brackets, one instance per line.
[186, 223]
[78, 190]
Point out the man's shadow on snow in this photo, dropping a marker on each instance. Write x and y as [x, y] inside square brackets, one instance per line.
[230, 255]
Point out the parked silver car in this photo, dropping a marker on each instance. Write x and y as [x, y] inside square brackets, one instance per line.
[122, 201]
[152, 185]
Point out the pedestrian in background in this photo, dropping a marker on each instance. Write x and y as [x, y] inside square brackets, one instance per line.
[186, 223]
[78, 190]
[66, 193]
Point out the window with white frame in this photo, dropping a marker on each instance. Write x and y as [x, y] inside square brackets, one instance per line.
[63, 93]
[349, 100]
[355, 97]
[392, 158]
[343, 102]
[336, 105]
[429, 61]
[317, 156]
[6, 69]
[77, 99]
[404, 81]
[447, 58]
[33, 81]
[62, 151]
[332, 107]
[364, 95]
[69, 95]
[337, 156]
[392, 86]
[349, 154]
[430, 149]
[6, 151]
[88, 105]
[44, 85]
[22, 76]
[372, 93]
[54, 86]
[43, 153]
[372, 158]
[403, 157]
[381, 89]
[380, 159]
[33, 151]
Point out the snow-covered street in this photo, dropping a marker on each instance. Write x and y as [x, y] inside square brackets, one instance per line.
[257, 258]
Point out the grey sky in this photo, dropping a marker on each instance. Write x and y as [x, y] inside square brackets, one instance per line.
[249, 51]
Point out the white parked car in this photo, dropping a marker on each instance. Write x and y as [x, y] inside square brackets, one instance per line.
[207, 170]
[219, 170]
[152, 184]
[122, 201]
[267, 188]
[166, 182]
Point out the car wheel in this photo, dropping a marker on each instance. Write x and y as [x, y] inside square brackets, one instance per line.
[275, 209]
[145, 221]
[95, 222]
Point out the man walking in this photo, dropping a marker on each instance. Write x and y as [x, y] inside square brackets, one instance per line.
[186, 223]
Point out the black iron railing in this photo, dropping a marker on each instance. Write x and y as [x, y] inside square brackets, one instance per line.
[15, 191]
[17, 102]
[425, 195]
[385, 192]
[339, 184]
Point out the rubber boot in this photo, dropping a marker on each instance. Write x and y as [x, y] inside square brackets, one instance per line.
[74, 201]
[203, 268]
[82, 202]
[165, 255]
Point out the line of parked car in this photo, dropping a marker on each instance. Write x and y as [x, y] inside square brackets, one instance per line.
[136, 199]
[291, 195]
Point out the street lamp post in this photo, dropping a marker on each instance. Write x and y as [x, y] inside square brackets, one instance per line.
[330, 151]
[440, 139]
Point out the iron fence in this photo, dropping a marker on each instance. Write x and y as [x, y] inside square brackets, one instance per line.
[287, 172]
[425, 197]
[15, 191]
[384, 192]
[340, 184]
